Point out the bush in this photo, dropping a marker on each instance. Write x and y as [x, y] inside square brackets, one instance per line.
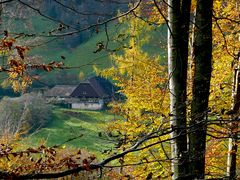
[28, 112]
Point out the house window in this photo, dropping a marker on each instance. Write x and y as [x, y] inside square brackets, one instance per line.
[84, 92]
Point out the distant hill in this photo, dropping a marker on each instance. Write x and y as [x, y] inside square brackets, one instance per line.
[82, 58]
[77, 54]
[79, 59]
[82, 13]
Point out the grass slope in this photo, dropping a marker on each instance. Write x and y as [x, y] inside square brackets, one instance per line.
[68, 123]
[82, 58]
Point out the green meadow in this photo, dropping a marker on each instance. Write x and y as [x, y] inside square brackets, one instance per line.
[76, 129]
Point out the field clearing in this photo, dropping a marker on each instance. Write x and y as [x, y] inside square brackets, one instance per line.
[68, 124]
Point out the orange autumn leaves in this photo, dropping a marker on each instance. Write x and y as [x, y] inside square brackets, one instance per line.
[15, 62]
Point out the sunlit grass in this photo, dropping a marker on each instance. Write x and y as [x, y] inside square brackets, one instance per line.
[67, 124]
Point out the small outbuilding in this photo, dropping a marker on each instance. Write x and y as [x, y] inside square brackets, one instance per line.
[60, 95]
[60, 91]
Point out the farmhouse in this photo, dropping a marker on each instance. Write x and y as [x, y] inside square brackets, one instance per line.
[92, 94]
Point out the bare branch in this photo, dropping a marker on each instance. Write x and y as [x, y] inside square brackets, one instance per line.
[78, 12]
[7, 1]
[98, 24]
[45, 16]
[161, 13]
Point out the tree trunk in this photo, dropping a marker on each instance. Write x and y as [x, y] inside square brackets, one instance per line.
[178, 36]
[235, 117]
[201, 85]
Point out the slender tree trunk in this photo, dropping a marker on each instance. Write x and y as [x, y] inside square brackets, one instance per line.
[178, 36]
[191, 59]
[201, 85]
[234, 126]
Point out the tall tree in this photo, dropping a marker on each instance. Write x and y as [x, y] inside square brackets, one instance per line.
[201, 85]
[178, 35]
[234, 130]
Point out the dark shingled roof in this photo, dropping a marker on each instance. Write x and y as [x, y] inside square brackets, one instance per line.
[95, 87]
[60, 91]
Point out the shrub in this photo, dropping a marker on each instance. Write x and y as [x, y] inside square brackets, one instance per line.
[27, 112]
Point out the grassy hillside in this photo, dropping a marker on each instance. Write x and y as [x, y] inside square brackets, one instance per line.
[68, 123]
[82, 58]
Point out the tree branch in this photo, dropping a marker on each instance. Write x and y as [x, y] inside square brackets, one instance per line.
[98, 24]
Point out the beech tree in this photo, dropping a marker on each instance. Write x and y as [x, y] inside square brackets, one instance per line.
[234, 126]
[201, 85]
[178, 36]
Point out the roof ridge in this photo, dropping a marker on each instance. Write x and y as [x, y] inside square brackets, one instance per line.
[98, 86]
[94, 88]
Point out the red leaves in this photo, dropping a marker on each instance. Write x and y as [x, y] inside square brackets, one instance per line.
[18, 66]
[7, 41]
[47, 67]
[31, 150]
[7, 44]
[43, 159]
[21, 50]
[52, 63]
[39, 160]
[14, 63]
[86, 164]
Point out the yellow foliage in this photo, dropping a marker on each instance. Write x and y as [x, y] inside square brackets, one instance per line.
[14, 64]
[143, 81]
[226, 46]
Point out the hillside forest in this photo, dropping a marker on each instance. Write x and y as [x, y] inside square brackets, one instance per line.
[120, 89]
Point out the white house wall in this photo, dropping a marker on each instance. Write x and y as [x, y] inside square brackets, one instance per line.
[87, 106]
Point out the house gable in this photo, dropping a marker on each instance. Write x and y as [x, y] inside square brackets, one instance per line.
[95, 87]
[85, 90]
[102, 86]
